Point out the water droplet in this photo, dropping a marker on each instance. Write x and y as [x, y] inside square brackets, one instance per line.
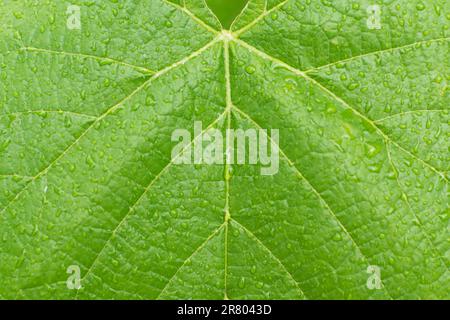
[250, 69]
[67, 122]
[331, 108]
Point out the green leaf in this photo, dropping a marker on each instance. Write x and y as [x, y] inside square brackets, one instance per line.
[358, 209]
[226, 11]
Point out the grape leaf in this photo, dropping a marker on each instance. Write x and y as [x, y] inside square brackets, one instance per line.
[358, 209]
